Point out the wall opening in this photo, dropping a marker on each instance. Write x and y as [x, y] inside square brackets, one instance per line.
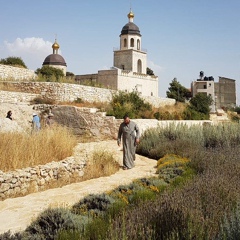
[138, 44]
[139, 66]
[132, 42]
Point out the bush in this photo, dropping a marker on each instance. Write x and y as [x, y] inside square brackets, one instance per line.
[10, 236]
[175, 138]
[51, 221]
[230, 228]
[13, 61]
[93, 205]
[51, 74]
[40, 100]
[128, 103]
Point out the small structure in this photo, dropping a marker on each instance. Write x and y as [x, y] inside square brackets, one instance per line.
[55, 59]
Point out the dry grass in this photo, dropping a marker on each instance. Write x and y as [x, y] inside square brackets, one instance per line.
[103, 106]
[21, 150]
[101, 163]
[8, 87]
[177, 108]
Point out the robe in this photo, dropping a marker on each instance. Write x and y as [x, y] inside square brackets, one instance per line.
[128, 133]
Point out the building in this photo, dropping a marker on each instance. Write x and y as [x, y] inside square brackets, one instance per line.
[55, 59]
[129, 66]
[223, 92]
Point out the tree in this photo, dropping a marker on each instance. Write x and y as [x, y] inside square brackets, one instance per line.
[50, 73]
[150, 71]
[13, 61]
[201, 103]
[70, 74]
[177, 91]
[199, 107]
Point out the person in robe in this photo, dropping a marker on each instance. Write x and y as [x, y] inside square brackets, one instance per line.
[129, 134]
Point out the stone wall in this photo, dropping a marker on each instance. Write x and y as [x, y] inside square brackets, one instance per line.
[64, 92]
[33, 179]
[15, 73]
[16, 97]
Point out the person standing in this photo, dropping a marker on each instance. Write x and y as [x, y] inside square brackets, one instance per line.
[36, 122]
[129, 133]
[9, 115]
[50, 121]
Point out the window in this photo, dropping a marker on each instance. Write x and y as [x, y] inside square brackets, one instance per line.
[139, 66]
[138, 44]
[132, 42]
[125, 42]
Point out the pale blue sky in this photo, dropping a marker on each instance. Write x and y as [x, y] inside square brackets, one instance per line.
[182, 37]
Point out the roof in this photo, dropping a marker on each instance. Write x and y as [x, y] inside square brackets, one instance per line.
[130, 28]
[54, 59]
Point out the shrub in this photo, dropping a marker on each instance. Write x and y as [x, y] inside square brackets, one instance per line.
[10, 236]
[128, 103]
[40, 100]
[93, 205]
[51, 221]
[13, 61]
[171, 160]
[175, 138]
[230, 228]
[50, 73]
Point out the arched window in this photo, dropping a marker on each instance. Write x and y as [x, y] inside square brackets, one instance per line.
[139, 66]
[138, 44]
[125, 42]
[132, 42]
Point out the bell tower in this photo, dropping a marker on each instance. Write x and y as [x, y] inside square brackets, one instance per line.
[130, 57]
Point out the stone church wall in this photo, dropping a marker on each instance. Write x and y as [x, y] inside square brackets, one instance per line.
[15, 73]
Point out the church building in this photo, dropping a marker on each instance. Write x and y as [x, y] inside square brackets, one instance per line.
[129, 71]
[55, 59]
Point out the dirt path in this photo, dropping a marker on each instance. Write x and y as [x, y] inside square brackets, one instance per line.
[17, 213]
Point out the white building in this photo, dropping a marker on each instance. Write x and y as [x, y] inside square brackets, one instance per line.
[129, 67]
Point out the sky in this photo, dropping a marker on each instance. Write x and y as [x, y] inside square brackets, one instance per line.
[182, 37]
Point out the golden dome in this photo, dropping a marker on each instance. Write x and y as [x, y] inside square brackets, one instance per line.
[55, 45]
[131, 14]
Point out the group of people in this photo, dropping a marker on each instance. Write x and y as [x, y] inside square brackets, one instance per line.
[36, 123]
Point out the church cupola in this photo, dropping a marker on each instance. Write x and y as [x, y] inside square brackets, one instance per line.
[55, 59]
[130, 37]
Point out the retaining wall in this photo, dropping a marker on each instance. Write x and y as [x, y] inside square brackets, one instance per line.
[15, 73]
[64, 92]
[33, 179]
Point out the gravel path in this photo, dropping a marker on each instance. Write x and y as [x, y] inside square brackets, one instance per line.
[17, 213]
